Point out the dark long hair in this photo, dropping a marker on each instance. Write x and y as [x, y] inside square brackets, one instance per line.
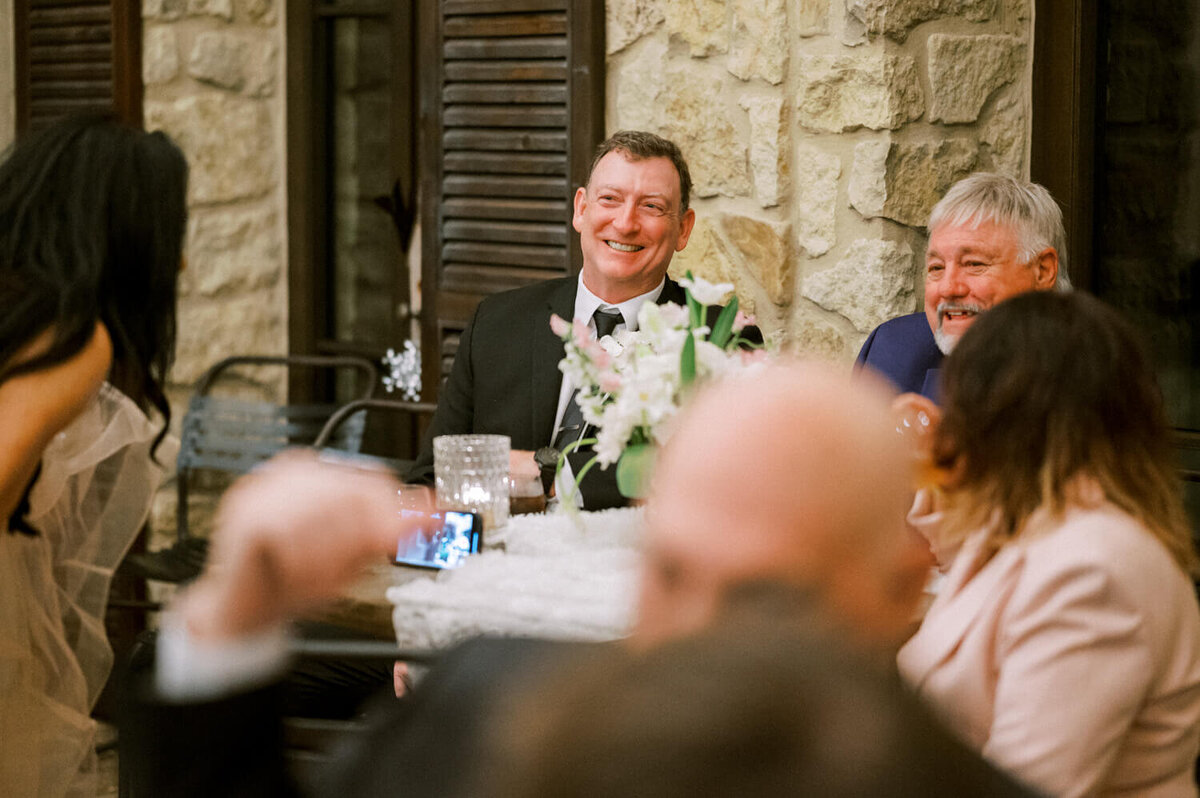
[92, 220]
[1048, 391]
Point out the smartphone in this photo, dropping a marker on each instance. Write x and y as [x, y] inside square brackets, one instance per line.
[445, 542]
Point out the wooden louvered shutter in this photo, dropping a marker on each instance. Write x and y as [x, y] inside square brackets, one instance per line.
[77, 56]
[512, 106]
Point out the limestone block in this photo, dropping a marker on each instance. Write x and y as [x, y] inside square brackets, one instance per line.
[232, 251]
[1016, 16]
[160, 55]
[219, 59]
[872, 282]
[708, 257]
[262, 70]
[815, 208]
[222, 9]
[862, 89]
[703, 25]
[259, 11]
[759, 47]
[894, 18]
[914, 177]
[696, 118]
[228, 141]
[965, 70]
[812, 17]
[1004, 135]
[752, 254]
[768, 143]
[814, 338]
[165, 10]
[211, 329]
[868, 177]
[634, 84]
[762, 249]
[626, 21]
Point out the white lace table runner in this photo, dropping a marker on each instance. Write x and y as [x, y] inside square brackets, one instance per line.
[540, 575]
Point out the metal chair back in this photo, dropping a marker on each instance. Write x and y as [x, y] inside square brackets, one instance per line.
[353, 415]
[232, 435]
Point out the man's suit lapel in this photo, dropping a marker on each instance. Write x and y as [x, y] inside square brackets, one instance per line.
[672, 292]
[546, 350]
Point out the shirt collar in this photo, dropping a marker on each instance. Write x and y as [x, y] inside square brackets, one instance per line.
[586, 303]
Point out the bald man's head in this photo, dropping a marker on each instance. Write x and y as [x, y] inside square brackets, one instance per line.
[793, 473]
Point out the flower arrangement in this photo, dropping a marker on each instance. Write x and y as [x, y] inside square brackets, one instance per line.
[632, 384]
[403, 371]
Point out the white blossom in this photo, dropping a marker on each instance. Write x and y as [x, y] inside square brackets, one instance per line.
[630, 384]
[707, 293]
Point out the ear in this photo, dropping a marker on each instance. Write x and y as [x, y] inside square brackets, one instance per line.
[1045, 269]
[686, 222]
[580, 207]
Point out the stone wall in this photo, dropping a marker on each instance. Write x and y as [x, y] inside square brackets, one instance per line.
[8, 109]
[819, 134]
[213, 77]
[214, 82]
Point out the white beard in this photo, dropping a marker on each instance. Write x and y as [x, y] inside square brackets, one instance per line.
[945, 341]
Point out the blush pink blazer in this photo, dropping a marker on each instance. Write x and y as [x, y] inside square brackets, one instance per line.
[1071, 659]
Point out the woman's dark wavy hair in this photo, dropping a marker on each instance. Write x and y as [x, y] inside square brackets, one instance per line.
[1046, 391]
[92, 220]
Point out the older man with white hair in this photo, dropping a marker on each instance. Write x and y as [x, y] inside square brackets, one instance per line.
[991, 237]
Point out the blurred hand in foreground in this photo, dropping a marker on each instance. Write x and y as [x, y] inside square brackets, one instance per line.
[290, 535]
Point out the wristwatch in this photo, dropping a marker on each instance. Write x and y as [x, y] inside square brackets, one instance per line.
[547, 460]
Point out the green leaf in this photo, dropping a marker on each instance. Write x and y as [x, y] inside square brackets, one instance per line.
[723, 327]
[634, 469]
[687, 361]
[695, 312]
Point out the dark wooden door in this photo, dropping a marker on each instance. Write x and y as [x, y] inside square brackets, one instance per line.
[512, 105]
[77, 56]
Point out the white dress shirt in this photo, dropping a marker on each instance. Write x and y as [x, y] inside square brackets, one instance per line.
[586, 304]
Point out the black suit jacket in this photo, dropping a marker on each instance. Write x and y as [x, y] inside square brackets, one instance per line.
[423, 746]
[436, 743]
[505, 379]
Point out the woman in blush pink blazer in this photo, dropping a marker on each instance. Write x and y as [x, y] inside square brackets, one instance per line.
[1064, 642]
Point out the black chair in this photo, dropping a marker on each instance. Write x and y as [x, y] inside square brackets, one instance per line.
[223, 436]
[312, 744]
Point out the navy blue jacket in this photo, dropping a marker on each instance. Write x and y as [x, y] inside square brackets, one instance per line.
[903, 350]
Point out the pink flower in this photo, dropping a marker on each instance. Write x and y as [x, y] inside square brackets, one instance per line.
[582, 335]
[610, 382]
[593, 351]
[559, 325]
[739, 321]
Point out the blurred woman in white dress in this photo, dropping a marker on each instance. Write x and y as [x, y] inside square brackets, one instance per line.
[92, 219]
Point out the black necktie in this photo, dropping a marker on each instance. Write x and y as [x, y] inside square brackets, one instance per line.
[572, 425]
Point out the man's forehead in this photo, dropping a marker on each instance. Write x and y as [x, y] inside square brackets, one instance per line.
[971, 235]
[620, 163]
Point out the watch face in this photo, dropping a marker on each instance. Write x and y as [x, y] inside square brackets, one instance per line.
[546, 456]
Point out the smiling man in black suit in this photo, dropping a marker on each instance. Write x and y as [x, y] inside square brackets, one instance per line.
[632, 217]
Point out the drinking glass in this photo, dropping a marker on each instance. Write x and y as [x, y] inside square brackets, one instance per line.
[471, 474]
[525, 494]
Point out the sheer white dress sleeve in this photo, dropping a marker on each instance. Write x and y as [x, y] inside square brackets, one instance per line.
[88, 503]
